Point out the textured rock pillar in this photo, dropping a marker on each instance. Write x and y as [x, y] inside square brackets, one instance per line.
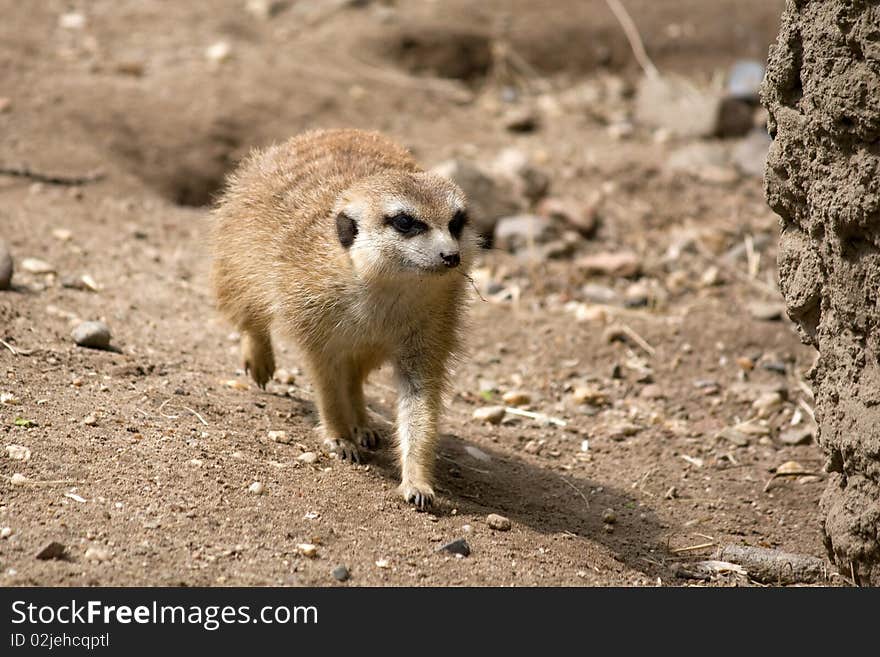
[822, 90]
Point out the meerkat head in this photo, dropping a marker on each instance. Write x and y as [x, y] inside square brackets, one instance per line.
[405, 222]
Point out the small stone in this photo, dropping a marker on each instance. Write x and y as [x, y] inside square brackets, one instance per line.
[284, 377]
[745, 363]
[340, 573]
[94, 335]
[520, 231]
[532, 447]
[591, 395]
[90, 420]
[53, 550]
[72, 21]
[637, 295]
[280, 437]
[6, 266]
[37, 266]
[767, 312]
[585, 445]
[798, 435]
[235, 384]
[218, 52]
[307, 457]
[790, 468]
[520, 119]
[608, 516]
[8, 398]
[257, 488]
[62, 234]
[309, 550]
[5, 104]
[580, 216]
[516, 398]
[490, 414]
[18, 452]
[457, 547]
[622, 264]
[623, 430]
[18, 479]
[383, 563]
[767, 404]
[653, 391]
[498, 522]
[84, 282]
[478, 454]
[97, 554]
[711, 277]
[5, 532]
[733, 436]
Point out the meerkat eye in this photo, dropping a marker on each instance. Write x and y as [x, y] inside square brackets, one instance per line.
[457, 223]
[405, 224]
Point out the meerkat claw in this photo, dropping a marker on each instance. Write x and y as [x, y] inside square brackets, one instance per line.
[367, 437]
[420, 497]
[343, 449]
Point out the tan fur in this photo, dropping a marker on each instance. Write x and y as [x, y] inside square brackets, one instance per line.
[278, 262]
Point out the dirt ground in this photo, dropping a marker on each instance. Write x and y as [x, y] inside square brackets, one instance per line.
[143, 457]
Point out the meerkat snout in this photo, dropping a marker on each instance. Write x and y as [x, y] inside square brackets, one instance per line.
[342, 241]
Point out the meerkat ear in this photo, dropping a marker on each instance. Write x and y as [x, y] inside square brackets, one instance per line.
[346, 229]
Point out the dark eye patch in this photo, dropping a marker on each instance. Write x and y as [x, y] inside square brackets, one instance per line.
[458, 223]
[406, 224]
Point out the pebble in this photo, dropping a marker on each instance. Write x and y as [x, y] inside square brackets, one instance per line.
[798, 435]
[94, 335]
[580, 216]
[621, 263]
[37, 266]
[383, 563]
[767, 312]
[478, 454]
[608, 516]
[340, 573]
[62, 234]
[18, 452]
[72, 21]
[585, 445]
[653, 391]
[521, 119]
[498, 522]
[280, 437]
[6, 266]
[637, 295]
[257, 488]
[733, 436]
[307, 457]
[517, 232]
[218, 52]
[490, 414]
[5, 532]
[97, 554]
[767, 404]
[53, 550]
[516, 398]
[623, 430]
[457, 547]
[90, 420]
[84, 282]
[589, 395]
[18, 479]
[309, 550]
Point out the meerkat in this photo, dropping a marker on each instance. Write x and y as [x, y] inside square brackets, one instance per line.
[340, 241]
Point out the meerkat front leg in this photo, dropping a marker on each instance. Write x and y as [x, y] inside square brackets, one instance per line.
[365, 431]
[418, 408]
[332, 383]
[257, 355]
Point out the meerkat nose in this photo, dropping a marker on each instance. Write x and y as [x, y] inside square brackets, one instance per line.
[451, 259]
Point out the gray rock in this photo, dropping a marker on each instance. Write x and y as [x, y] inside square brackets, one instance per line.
[458, 546]
[517, 232]
[706, 161]
[744, 79]
[6, 266]
[767, 312]
[95, 335]
[798, 435]
[489, 197]
[678, 106]
[341, 573]
[734, 437]
[498, 522]
[750, 154]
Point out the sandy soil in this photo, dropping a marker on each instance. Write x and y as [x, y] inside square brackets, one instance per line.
[143, 457]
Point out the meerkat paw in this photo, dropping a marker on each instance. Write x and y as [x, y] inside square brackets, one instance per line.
[419, 494]
[367, 437]
[343, 449]
[259, 361]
